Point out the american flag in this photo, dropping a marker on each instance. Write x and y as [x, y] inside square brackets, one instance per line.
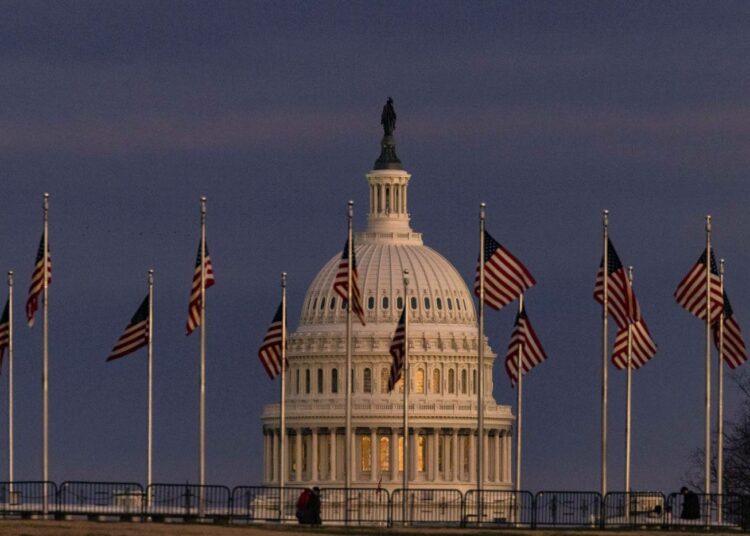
[37, 282]
[4, 330]
[270, 350]
[135, 335]
[505, 278]
[691, 292]
[194, 309]
[735, 353]
[643, 348]
[341, 282]
[398, 351]
[523, 339]
[621, 302]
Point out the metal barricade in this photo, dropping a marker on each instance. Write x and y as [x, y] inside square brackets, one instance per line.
[259, 503]
[567, 508]
[28, 498]
[188, 501]
[361, 506]
[499, 508]
[706, 510]
[634, 509]
[100, 498]
[438, 507]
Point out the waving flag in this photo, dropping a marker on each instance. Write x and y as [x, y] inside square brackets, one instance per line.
[135, 335]
[735, 352]
[194, 309]
[643, 346]
[525, 341]
[37, 282]
[4, 330]
[621, 302]
[505, 278]
[398, 351]
[691, 292]
[270, 350]
[341, 282]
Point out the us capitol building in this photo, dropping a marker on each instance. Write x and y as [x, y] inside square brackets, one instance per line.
[442, 359]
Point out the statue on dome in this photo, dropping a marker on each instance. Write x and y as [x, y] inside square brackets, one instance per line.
[388, 118]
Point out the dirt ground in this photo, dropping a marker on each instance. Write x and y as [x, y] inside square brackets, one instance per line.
[90, 528]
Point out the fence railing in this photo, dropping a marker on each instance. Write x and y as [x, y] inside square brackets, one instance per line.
[376, 507]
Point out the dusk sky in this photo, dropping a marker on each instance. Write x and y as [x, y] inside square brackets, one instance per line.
[128, 112]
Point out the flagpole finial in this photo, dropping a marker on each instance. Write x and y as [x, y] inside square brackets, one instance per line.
[482, 206]
[10, 277]
[708, 223]
[630, 274]
[605, 217]
[151, 276]
[45, 204]
[283, 279]
[721, 267]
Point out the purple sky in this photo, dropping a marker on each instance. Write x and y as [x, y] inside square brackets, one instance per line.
[127, 112]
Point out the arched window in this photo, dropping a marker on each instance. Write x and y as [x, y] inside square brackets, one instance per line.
[367, 381]
[399, 303]
[333, 303]
[451, 381]
[463, 382]
[439, 303]
[474, 381]
[320, 380]
[419, 381]
[413, 302]
[427, 303]
[322, 303]
[458, 304]
[386, 302]
[385, 375]
[450, 304]
[435, 384]
[371, 302]
[385, 454]
[314, 303]
[307, 381]
[334, 380]
[366, 453]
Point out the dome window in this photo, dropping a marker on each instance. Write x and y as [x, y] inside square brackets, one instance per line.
[427, 303]
[399, 303]
[385, 375]
[435, 385]
[320, 381]
[458, 304]
[419, 381]
[451, 381]
[463, 381]
[413, 302]
[314, 303]
[439, 303]
[334, 380]
[450, 303]
[371, 303]
[386, 302]
[333, 303]
[367, 381]
[307, 381]
[322, 303]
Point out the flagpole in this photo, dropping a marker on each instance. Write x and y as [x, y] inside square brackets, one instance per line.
[480, 363]
[406, 400]
[149, 465]
[45, 353]
[203, 351]
[605, 346]
[282, 409]
[628, 405]
[10, 381]
[348, 382]
[708, 356]
[720, 416]
[519, 406]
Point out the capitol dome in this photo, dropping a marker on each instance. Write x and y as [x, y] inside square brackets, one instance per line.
[442, 359]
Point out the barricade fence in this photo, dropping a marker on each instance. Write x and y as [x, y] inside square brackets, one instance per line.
[375, 506]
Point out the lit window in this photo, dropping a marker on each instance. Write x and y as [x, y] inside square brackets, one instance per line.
[366, 453]
[371, 302]
[401, 453]
[439, 303]
[421, 453]
[334, 380]
[320, 380]
[399, 303]
[385, 374]
[385, 454]
[367, 381]
[386, 302]
[451, 381]
[419, 382]
[435, 386]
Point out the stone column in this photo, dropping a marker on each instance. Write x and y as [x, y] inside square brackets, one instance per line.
[374, 449]
[507, 457]
[332, 444]
[413, 445]
[394, 455]
[472, 455]
[486, 457]
[314, 456]
[298, 455]
[455, 472]
[498, 457]
[434, 452]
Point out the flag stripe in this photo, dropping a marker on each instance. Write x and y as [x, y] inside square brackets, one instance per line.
[691, 292]
[194, 309]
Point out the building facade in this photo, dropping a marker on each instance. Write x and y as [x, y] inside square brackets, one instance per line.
[442, 358]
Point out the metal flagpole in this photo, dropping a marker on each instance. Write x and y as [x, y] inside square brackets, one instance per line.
[605, 345]
[480, 365]
[720, 415]
[708, 357]
[405, 485]
[45, 356]
[10, 381]
[519, 406]
[203, 354]
[628, 404]
[348, 382]
[149, 468]
[282, 409]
